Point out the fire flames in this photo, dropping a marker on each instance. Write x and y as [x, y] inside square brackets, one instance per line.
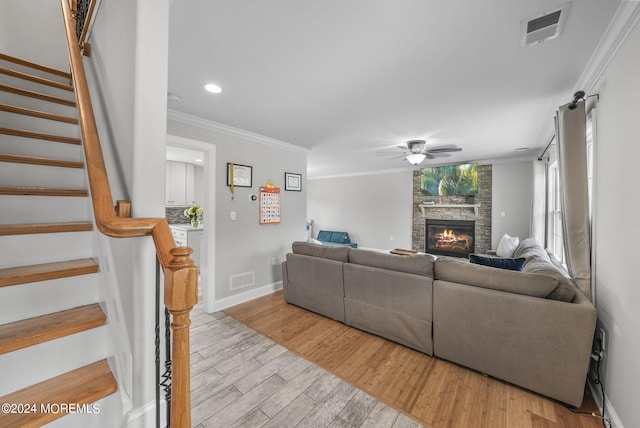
[447, 240]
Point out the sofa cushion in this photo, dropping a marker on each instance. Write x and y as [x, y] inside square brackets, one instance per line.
[462, 272]
[538, 261]
[340, 254]
[419, 264]
[507, 245]
[529, 248]
[498, 262]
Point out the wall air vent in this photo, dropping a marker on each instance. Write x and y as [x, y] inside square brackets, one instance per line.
[242, 280]
[544, 27]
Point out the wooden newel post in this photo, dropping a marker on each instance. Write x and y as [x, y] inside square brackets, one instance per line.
[180, 295]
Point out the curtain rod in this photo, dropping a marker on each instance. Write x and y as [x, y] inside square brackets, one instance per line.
[546, 148]
[580, 95]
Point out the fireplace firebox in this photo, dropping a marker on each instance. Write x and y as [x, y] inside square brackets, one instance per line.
[449, 237]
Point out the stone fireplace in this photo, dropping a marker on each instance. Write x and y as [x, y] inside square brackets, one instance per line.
[449, 237]
[456, 208]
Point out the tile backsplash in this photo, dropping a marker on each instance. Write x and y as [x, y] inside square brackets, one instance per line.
[175, 215]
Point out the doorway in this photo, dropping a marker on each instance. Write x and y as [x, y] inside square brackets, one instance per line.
[180, 149]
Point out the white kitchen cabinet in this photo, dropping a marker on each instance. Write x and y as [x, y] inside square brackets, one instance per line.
[190, 184]
[180, 184]
[186, 235]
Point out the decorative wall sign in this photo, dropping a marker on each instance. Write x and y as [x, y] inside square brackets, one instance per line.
[292, 181]
[269, 205]
[239, 175]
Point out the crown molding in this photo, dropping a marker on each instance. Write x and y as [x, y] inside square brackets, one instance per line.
[188, 119]
[623, 22]
[359, 174]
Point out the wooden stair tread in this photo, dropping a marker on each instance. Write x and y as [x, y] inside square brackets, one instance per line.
[32, 160]
[46, 271]
[42, 191]
[85, 385]
[37, 113]
[32, 331]
[32, 228]
[36, 79]
[39, 135]
[37, 95]
[35, 66]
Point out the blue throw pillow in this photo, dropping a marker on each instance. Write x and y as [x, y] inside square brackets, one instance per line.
[498, 262]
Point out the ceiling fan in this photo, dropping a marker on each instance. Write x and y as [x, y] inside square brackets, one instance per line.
[416, 151]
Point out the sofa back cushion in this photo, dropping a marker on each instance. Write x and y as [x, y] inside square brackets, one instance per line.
[538, 261]
[340, 254]
[463, 272]
[419, 264]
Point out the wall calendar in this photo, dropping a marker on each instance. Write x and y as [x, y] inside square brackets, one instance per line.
[269, 205]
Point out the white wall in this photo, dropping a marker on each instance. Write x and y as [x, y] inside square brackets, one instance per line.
[244, 245]
[616, 233]
[374, 209]
[511, 195]
[28, 31]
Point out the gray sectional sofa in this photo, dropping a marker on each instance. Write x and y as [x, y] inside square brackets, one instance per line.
[532, 328]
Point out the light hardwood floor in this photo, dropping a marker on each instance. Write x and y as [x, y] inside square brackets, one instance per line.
[240, 378]
[432, 391]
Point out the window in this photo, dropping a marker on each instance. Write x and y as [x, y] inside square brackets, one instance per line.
[554, 205]
[555, 241]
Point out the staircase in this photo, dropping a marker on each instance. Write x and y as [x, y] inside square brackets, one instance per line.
[55, 346]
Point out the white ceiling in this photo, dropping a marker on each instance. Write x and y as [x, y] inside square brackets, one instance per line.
[350, 79]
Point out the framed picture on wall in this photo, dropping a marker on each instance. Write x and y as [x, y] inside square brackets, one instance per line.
[292, 182]
[239, 175]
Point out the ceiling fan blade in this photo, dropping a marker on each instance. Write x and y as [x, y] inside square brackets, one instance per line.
[437, 155]
[444, 150]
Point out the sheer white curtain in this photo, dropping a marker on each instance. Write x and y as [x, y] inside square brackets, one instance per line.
[539, 202]
[572, 158]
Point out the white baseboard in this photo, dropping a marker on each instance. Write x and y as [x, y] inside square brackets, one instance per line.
[610, 410]
[145, 416]
[236, 299]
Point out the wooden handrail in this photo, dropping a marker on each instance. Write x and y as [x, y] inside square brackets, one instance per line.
[180, 273]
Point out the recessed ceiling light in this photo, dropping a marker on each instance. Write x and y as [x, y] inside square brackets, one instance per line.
[213, 88]
[198, 160]
[522, 149]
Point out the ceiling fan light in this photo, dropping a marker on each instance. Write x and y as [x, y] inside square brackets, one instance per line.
[416, 158]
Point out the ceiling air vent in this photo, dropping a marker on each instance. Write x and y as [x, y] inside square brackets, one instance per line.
[544, 27]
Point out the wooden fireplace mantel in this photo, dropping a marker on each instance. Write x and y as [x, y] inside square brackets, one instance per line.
[424, 207]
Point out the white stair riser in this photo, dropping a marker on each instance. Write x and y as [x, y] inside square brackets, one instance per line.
[109, 416]
[34, 72]
[36, 124]
[21, 250]
[47, 296]
[42, 148]
[37, 104]
[46, 360]
[29, 175]
[43, 209]
[17, 82]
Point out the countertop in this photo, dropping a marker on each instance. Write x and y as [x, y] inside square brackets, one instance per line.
[186, 226]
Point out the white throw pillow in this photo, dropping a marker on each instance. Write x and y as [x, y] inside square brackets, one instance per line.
[507, 246]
